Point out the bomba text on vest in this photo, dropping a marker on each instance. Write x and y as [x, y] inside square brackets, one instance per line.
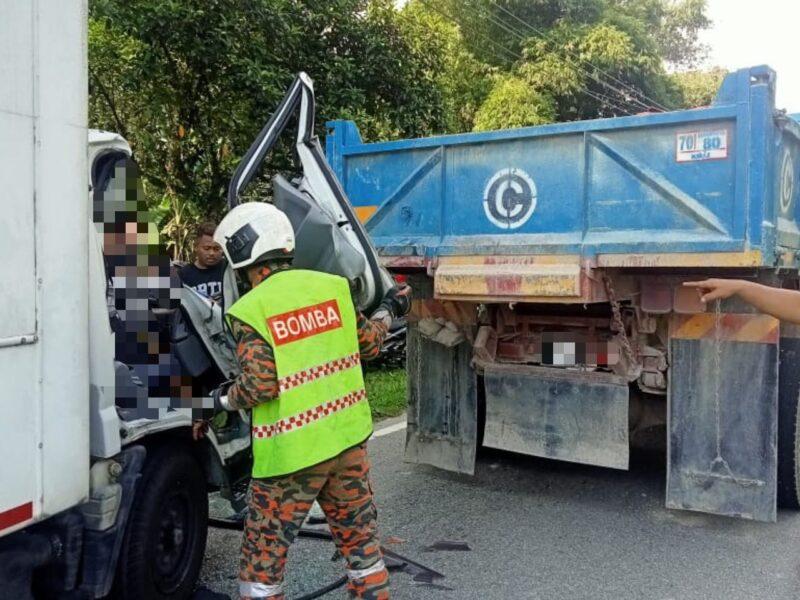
[305, 322]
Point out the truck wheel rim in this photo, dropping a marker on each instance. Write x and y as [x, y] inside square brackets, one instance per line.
[173, 542]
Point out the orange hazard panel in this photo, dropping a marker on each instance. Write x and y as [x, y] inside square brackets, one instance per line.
[731, 328]
[365, 212]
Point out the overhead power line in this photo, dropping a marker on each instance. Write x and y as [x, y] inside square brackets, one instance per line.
[616, 104]
[495, 45]
[653, 104]
[624, 97]
[607, 101]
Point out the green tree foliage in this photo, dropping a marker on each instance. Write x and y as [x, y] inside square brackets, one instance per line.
[463, 80]
[580, 58]
[513, 102]
[190, 82]
[698, 88]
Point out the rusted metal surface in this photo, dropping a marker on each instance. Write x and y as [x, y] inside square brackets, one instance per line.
[508, 281]
[619, 326]
[653, 378]
[687, 301]
[545, 279]
[485, 347]
[656, 298]
[407, 262]
[463, 314]
[535, 339]
[750, 258]
[566, 415]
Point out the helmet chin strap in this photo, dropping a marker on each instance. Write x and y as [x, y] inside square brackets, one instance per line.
[260, 272]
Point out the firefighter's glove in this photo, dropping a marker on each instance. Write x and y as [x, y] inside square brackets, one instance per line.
[220, 397]
[397, 301]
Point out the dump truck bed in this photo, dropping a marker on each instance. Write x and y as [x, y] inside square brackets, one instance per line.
[711, 187]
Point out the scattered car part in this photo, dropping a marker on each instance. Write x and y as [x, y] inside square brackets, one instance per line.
[449, 546]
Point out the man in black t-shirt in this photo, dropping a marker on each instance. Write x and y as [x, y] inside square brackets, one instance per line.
[204, 275]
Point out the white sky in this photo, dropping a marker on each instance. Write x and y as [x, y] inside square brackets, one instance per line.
[753, 32]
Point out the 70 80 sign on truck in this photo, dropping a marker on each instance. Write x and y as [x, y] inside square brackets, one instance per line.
[702, 145]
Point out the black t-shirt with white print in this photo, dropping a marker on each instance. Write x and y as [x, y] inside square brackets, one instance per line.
[207, 282]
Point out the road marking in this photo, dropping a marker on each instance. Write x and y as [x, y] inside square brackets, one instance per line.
[390, 429]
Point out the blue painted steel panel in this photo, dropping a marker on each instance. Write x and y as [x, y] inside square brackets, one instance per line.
[720, 178]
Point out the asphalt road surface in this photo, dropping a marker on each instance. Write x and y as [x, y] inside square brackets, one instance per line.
[541, 529]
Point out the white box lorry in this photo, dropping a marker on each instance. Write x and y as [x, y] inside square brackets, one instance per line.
[92, 498]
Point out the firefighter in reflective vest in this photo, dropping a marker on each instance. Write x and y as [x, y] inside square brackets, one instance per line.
[300, 343]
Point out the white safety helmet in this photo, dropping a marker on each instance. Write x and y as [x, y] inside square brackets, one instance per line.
[254, 231]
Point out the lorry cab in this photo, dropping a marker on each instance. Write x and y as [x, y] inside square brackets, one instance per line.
[137, 522]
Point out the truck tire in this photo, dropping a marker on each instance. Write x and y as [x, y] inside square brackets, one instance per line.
[165, 538]
[788, 421]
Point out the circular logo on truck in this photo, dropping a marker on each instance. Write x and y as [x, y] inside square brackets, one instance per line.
[509, 198]
[787, 182]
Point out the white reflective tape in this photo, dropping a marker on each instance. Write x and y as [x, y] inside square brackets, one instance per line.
[390, 429]
[259, 590]
[225, 403]
[362, 573]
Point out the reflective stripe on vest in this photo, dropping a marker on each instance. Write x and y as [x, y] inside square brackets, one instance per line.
[309, 320]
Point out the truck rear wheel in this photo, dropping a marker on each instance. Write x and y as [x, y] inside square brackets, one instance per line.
[165, 538]
[788, 421]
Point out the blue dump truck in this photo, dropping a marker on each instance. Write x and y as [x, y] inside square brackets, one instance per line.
[550, 317]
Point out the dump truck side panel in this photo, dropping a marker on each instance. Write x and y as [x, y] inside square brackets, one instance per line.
[690, 182]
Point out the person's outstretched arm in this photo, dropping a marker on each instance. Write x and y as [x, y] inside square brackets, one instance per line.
[779, 303]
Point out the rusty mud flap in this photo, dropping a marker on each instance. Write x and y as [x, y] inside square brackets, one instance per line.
[442, 404]
[574, 416]
[723, 415]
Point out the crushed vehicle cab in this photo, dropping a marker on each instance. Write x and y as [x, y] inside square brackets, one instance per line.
[550, 317]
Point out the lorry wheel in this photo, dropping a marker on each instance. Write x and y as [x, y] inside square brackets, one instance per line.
[788, 421]
[165, 538]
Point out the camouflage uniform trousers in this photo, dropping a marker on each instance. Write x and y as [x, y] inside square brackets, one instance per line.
[277, 508]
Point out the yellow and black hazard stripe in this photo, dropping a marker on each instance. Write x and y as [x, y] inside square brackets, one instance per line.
[761, 329]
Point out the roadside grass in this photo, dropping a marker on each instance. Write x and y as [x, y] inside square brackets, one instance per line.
[386, 391]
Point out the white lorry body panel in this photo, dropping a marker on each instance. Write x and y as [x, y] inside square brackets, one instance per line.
[44, 306]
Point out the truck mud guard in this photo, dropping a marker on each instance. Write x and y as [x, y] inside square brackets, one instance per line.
[442, 396]
[553, 413]
[722, 415]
